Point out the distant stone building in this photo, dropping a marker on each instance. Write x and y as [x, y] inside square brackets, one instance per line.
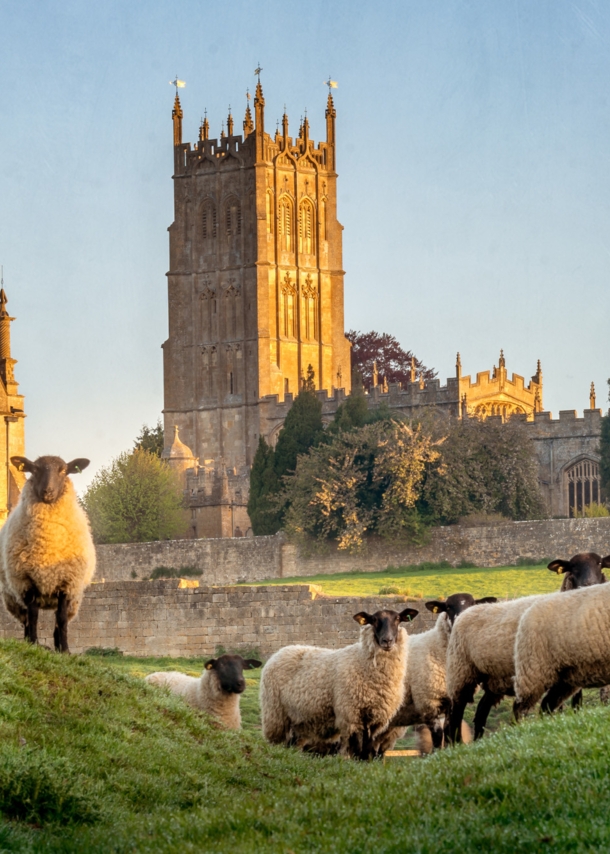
[255, 296]
[12, 441]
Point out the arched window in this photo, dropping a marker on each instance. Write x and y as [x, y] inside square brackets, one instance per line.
[208, 220]
[583, 486]
[323, 220]
[310, 309]
[306, 228]
[233, 217]
[285, 219]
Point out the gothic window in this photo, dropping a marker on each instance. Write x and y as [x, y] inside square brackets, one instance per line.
[323, 220]
[208, 220]
[310, 309]
[231, 296]
[306, 231]
[208, 309]
[233, 217]
[285, 220]
[289, 297]
[583, 484]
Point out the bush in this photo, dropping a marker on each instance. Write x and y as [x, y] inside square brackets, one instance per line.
[138, 498]
[170, 572]
[595, 511]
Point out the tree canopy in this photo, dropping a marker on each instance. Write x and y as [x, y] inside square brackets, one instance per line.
[137, 498]
[151, 439]
[393, 363]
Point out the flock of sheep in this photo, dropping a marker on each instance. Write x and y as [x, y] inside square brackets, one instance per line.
[356, 701]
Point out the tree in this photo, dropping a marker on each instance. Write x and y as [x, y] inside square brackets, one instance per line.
[366, 480]
[604, 453]
[393, 363]
[151, 439]
[137, 498]
[264, 487]
[484, 468]
[303, 428]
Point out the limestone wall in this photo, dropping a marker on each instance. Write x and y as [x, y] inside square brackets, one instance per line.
[232, 560]
[163, 618]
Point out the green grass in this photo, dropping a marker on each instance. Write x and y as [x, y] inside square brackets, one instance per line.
[91, 759]
[425, 582]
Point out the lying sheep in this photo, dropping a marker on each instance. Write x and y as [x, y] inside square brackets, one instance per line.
[47, 556]
[562, 645]
[325, 699]
[216, 691]
[481, 649]
[426, 700]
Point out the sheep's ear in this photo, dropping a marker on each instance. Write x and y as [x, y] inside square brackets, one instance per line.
[559, 566]
[436, 606]
[23, 464]
[252, 663]
[209, 665]
[363, 618]
[77, 466]
[408, 614]
[606, 561]
[486, 600]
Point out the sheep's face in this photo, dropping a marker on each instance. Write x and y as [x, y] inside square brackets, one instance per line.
[229, 670]
[455, 604]
[582, 570]
[48, 475]
[385, 625]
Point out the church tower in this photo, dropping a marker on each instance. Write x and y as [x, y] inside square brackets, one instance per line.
[255, 284]
[12, 439]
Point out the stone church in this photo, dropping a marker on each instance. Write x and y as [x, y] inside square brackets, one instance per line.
[255, 297]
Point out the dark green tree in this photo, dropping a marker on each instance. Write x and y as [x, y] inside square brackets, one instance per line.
[151, 439]
[604, 453]
[264, 486]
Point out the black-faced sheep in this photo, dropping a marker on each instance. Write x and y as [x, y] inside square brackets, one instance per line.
[323, 698]
[47, 556]
[426, 700]
[481, 649]
[562, 645]
[216, 691]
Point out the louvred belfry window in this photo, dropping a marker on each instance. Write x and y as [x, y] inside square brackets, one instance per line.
[306, 217]
[285, 224]
[208, 220]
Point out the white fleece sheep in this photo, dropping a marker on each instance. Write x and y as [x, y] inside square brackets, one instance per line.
[47, 556]
[313, 697]
[563, 644]
[482, 646]
[216, 691]
[426, 700]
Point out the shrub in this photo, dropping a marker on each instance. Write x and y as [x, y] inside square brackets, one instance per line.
[170, 572]
[594, 511]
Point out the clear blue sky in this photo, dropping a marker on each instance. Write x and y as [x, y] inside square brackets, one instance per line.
[473, 153]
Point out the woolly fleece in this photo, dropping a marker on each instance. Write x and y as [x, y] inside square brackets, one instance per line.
[204, 693]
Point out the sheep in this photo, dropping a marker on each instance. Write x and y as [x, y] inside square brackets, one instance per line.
[47, 556]
[426, 701]
[481, 649]
[325, 700]
[216, 691]
[562, 645]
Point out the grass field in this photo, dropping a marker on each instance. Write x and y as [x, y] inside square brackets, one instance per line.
[93, 760]
[433, 581]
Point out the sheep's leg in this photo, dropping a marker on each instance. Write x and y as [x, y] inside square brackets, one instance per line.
[577, 700]
[556, 696]
[31, 626]
[458, 707]
[60, 635]
[604, 695]
[486, 704]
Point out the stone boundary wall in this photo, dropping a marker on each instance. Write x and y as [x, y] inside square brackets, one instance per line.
[229, 561]
[169, 618]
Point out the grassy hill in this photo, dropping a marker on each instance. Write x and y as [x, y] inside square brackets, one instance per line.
[91, 759]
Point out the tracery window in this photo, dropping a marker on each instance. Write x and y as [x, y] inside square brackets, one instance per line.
[583, 484]
[306, 228]
[208, 220]
[285, 219]
[233, 217]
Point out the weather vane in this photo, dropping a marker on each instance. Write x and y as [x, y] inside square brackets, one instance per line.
[179, 84]
[257, 71]
[248, 95]
[332, 84]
